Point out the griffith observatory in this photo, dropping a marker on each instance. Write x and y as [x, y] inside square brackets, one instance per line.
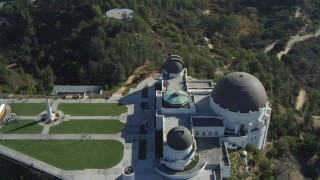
[198, 120]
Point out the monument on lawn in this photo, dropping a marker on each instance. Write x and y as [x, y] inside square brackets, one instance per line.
[50, 116]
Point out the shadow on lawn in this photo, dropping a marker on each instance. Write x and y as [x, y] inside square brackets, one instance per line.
[24, 126]
[75, 142]
[33, 142]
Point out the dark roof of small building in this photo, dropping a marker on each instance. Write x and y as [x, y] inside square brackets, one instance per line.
[179, 138]
[174, 64]
[240, 91]
[210, 121]
[76, 89]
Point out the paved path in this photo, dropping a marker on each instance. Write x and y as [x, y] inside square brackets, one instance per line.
[45, 130]
[27, 117]
[93, 117]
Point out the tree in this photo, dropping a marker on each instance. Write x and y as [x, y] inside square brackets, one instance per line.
[3, 71]
[47, 79]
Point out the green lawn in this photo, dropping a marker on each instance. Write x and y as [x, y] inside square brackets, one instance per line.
[71, 154]
[23, 127]
[92, 109]
[88, 127]
[28, 109]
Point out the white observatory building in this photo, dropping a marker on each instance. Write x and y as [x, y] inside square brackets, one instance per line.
[196, 116]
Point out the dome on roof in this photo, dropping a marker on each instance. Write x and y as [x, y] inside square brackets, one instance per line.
[240, 91]
[174, 64]
[176, 98]
[179, 138]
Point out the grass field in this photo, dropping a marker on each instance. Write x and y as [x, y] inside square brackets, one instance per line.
[71, 154]
[92, 109]
[88, 127]
[27, 109]
[23, 127]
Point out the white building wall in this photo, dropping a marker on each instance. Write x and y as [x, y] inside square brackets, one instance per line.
[158, 100]
[253, 137]
[184, 176]
[208, 131]
[225, 168]
[174, 155]
[175, 159]
[159, 122]
[235, 141]
[225, 171]
[236, 122]
[261, 140]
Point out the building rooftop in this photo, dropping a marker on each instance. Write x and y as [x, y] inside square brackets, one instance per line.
[67, 89]
[206, 121]
[200, 84]
[203, 105]
[211, 149]
[172, 121]
[174, 83]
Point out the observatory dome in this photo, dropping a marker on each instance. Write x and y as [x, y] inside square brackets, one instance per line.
[174, 64]
[179, 138]
[240, 91]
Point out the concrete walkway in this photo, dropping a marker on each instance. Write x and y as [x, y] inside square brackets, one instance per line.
[93, 117]
[45, 130]
[28, 117]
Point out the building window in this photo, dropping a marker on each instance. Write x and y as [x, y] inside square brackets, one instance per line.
[216, 133]
[203, 133]
[210, 133]
[197, 133]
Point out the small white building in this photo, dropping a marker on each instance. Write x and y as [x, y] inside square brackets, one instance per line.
[120, 13]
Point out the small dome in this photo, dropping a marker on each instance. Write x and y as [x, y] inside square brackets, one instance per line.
[179, 138]
[174, 64]
[240, 91]
[176, 99]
